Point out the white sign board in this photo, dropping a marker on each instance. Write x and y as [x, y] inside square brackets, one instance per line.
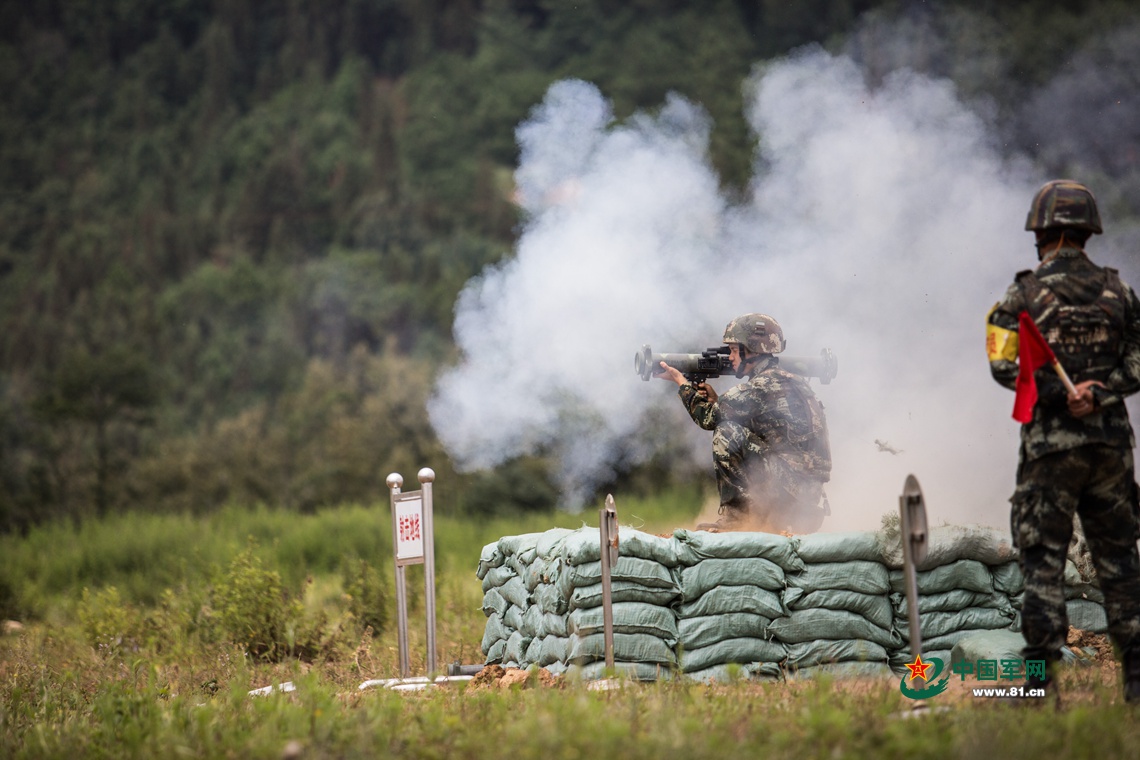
[409, 528]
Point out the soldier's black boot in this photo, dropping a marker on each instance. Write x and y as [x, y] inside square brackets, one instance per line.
[1132, 676]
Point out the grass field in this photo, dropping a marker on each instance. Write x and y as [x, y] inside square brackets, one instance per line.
[147, 670]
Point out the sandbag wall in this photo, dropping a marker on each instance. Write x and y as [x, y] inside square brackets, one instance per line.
[762, 605]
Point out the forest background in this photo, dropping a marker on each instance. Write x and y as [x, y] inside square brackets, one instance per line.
[232, 234]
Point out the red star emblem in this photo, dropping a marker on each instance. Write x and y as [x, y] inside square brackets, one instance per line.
[918, 668]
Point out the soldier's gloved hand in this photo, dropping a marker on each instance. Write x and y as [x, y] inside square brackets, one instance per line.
[1083, 402]
[706, 390]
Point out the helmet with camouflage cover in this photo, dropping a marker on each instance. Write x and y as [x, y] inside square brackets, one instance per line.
[1063, 203]
[759, 333]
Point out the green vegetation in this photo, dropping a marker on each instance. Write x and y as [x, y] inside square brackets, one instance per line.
[233, 233]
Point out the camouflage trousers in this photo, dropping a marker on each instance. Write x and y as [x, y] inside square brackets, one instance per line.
[1096, 483]
[759, 490]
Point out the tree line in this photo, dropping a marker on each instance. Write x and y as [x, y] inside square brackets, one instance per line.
[233, 232]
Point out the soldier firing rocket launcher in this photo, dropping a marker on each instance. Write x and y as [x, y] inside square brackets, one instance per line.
[714, 362]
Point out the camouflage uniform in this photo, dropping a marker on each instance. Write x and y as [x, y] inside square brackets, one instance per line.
[770, 448]
[1070, 464]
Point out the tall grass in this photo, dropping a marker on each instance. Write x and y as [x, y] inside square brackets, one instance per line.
[60, 696]
[144, 554]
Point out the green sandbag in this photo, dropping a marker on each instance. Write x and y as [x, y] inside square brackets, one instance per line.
[497, 576]
[967, 574]
[493, 601]
[875, 607]
[702, 631]
[628, 617]
[817, 548]
[515, 653]
[628, 647]
[538, 571]
[698, 579]
[1085, 615]
[513, 618]
[947, 544]
[584, 545]
[755, 671]
[842, 670]
[725, 599]
[936, 624]
[809, 653]
[548, 598]
[633, 671]
[511, 545]
[514, 591]
[1009, 645]
[549, 545]
[950, 601]
[695, 546]
[539, 624]
[493, 631]
[949, 640]
[740, 651]
[813, 624]
[902, 657]
[632, 569]
[988, 645]
[547, 650]
[1008, 578]
[494, 655]
[621, 591]
[857, 575]
[488, 558]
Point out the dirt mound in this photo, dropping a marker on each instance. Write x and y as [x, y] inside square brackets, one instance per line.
[498, 677]
[1079, 640]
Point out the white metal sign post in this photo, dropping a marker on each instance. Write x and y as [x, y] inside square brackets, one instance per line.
[413, 540]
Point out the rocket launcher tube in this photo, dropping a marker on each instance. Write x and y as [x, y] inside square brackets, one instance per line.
[714, 362]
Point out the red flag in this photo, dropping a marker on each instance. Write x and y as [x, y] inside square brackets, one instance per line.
[1033, 353]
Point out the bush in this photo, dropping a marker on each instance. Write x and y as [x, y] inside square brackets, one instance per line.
[253, 609]
[368, 594]
[108, 624]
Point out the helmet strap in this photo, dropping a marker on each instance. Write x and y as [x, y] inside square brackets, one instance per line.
[745, 361]
[1041, 244]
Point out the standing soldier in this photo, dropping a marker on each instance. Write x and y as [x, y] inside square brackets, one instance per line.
[1076, 451]
[770, 445]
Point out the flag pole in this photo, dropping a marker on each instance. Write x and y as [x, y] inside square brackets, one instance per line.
[1027, 324]
[1061, 373]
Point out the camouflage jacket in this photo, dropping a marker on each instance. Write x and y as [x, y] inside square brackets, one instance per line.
[782, 415]
[1091, 320]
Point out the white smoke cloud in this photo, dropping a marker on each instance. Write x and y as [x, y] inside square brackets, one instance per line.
[882, 224]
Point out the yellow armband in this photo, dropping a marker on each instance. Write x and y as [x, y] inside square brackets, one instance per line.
[1000, 342]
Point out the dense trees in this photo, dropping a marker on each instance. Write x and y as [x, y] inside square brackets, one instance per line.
[232, 233]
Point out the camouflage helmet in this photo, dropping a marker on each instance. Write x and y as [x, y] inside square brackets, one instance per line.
[1063, 203]
[759, 333]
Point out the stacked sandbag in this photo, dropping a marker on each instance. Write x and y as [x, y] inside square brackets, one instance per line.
[839, 615]
[1084, 601]
[731, 586]
[720, 605]
[643, 590]
[505, 567]
[543, 601]
[957, 596]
